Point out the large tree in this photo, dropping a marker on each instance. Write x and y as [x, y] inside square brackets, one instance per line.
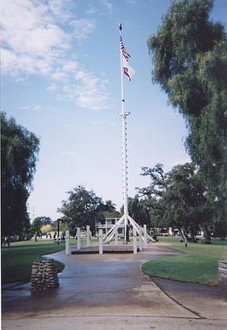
[19, 150]
[83, 208]
[190, 63]
[184, 202]
[153, 194]
[178, 199]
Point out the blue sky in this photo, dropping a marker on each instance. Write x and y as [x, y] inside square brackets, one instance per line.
[61, 80]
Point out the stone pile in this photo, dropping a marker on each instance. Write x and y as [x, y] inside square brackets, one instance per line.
[222, 276]
[44, 275]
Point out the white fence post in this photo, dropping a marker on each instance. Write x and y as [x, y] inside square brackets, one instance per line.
[140, 239]
[145, 235]
[134, 240]
[78, 238]
[67, 242]
[116, 234]
[100, 242]
[88, 235]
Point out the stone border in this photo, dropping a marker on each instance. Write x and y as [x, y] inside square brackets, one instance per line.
[222, 276]
[44, 275]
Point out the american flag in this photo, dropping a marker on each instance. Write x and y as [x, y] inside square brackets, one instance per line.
[127, 69]
[124, 52]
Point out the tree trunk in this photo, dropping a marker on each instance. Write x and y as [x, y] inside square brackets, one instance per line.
[207, 235]
[193, 235]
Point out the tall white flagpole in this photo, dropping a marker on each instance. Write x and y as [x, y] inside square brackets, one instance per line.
[125, 219]
[124, 115]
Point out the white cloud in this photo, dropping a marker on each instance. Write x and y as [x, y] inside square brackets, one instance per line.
[36, 41]
[89, 91]
[82, 28]
[20, 65]
[37, 108]
[99, 7]
[32, 41]
[30, 29]
[59, 9]
[108, 5]
[91, 10]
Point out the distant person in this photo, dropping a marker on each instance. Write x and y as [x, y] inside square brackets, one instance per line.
[7, 241]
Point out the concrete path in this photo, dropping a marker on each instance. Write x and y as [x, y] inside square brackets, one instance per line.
[110, 291]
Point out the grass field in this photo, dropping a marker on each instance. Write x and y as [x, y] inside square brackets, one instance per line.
[198, 263]
[18, 258]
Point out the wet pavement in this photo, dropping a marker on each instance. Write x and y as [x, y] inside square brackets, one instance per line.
[110, 291]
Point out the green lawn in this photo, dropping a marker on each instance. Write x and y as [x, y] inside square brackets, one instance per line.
[18, 258]
[198, 263]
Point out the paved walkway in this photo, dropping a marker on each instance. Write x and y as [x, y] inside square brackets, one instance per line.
[109, 292]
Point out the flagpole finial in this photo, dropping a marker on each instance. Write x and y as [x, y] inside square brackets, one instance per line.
[120, 26]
